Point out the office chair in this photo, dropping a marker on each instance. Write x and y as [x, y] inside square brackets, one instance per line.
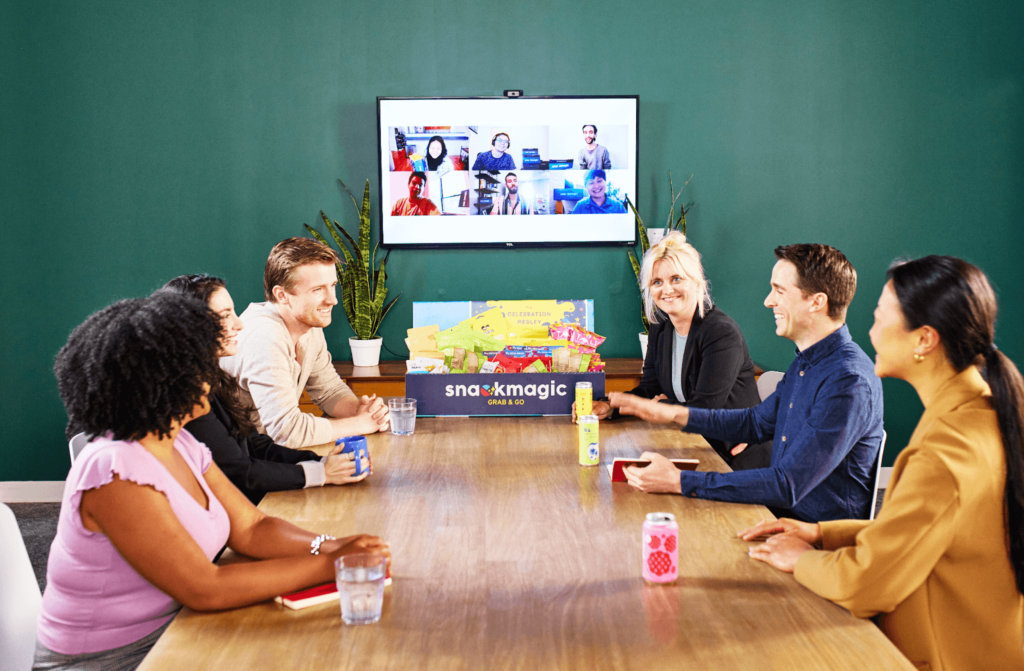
[77, 444]
[878, 478]
[767, 383]
[19, 597]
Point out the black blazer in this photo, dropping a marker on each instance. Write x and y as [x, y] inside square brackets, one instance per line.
[717, 369]
[254, 463]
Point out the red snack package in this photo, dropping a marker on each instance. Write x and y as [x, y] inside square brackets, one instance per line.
[509, 364]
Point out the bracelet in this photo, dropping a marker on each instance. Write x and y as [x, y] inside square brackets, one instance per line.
[316, 542]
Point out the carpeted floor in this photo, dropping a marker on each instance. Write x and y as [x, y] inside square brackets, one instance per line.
[38, 525]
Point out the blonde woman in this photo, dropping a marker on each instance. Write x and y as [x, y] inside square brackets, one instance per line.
[696, 354]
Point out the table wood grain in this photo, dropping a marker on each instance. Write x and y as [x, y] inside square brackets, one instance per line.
[509, 555]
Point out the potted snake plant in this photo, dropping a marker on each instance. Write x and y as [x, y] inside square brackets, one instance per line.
[360, 282]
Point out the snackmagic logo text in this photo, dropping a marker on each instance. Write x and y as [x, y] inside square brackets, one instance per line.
[541, 391]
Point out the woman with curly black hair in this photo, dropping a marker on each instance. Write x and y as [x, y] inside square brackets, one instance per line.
[251, 460]
[145, 510]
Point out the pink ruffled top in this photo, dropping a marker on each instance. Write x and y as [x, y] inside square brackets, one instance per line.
[94, 599]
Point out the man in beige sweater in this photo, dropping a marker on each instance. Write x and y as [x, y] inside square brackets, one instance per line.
[282, 351]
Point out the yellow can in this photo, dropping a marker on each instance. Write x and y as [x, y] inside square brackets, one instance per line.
[589, 452]
[584, 398]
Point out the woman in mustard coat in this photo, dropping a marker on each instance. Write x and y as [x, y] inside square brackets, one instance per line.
[942, 568]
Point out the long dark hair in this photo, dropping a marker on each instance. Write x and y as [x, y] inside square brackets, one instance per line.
[956, 299]
[224, 385]
[435, 163]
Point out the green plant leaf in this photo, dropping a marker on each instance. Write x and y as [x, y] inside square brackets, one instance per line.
[380, 291]
[354, 204]
[361, 287]
[360, 319]
[348, 299]
[316, 234]
[642, 230]
[349, 259]
[337, 238]
[636, 264]
[364, 228]
[386, 309]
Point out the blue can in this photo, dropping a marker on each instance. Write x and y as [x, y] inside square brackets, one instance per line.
[356, 445]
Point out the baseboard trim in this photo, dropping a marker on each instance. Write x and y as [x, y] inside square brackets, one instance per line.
[41, 491]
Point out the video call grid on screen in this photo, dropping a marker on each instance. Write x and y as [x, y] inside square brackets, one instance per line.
[475, 152]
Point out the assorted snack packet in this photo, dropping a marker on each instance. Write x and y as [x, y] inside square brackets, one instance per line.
[485, 344]
[492, 323]
[578, 337]
[467, 338]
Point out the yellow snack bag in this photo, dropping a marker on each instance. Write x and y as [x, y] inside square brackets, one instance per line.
[493, 323]
[423, 338]
[426, 355]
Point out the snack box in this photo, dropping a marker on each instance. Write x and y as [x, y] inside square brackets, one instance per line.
[484, 394]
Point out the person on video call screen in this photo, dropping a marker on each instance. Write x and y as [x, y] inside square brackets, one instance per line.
[592, 155]
[498, 157]
[512, 203]
[414, 205]
[438, 159]
[598, 201]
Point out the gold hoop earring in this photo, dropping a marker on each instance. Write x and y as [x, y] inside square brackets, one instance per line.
[918, 358]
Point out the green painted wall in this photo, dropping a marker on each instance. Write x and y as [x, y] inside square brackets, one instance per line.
[142, 141]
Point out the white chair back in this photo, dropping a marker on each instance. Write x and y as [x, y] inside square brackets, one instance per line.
[878, 478]
[77, 444]
[767, 383]
[19, 597]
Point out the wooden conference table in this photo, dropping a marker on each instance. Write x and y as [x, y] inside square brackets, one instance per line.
[509, 555]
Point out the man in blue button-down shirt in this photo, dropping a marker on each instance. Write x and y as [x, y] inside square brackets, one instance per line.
[825, 417]
[598, 201]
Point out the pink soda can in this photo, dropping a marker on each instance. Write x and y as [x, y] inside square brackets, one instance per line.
[660, 537]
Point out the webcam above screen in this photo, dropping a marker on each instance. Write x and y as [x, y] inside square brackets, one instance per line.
[508, 171]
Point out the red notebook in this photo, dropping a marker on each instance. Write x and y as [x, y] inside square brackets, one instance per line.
[615, 468]
[314, 596]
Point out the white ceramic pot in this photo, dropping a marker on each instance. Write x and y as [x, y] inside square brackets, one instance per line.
[654, 235]
[365, 352]
[643, 345]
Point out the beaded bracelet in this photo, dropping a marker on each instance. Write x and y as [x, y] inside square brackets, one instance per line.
[316, 542]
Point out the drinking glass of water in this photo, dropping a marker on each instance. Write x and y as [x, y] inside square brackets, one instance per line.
[360, 579]
[403, 415]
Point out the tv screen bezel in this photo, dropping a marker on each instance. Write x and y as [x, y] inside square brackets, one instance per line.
[500, 245]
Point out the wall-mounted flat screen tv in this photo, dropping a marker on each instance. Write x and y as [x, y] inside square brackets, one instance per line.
[507, 172]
